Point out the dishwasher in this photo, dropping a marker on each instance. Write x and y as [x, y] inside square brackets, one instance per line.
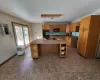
[98, 48]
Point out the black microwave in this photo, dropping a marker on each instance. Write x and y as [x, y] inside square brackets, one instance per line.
[56, 30]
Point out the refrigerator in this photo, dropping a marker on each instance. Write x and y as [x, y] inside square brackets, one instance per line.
[45, 35]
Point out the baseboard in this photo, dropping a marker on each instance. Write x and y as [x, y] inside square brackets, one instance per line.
[8, 59]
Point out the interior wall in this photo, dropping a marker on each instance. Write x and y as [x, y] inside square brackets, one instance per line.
[37, 31]
[7, 42]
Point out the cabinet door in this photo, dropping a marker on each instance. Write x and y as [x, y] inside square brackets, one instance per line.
[85, 38]
[71, 28]
[35, 47]
[68, 40]
[52, 27]
[34, 50]
[35, 54]
[45, 27]
[86, 23]
[82, 41]
[62, 28]
[84, 30]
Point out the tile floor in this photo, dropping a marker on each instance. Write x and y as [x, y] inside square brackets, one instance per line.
[51, 67]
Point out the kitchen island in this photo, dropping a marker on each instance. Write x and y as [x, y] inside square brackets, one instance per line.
[40, 46]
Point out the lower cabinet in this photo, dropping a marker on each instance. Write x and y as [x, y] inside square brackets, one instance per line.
[34, 50]
[71, 41]
[35, 54]
[68, 40]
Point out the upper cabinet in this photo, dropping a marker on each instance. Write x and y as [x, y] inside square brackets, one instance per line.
[62, 28]
[74, 27]
[70, 28]
[45, 27]
[49, 27]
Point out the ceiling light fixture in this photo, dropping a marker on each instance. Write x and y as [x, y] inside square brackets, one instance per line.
[51, 16]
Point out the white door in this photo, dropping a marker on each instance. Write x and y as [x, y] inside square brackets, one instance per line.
[21, 35]
[26, 35]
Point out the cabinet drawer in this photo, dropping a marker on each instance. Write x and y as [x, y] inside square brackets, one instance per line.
[70, 41]
[35, 47]
[69, 44]
[35, 54]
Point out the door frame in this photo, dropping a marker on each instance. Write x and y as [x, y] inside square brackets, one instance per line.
[23, 32]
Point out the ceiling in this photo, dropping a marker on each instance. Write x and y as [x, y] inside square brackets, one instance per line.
[31, 10]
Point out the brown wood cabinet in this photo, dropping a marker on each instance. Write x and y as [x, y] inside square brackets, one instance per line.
[40, 47]
[34, 51]
[71, 41]
[68, 40]
[62, 28]
[73, 27]
[89, 33]
[51, 27]
[45, 27]
[70, 28]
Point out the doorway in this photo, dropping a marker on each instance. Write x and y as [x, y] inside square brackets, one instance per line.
[21, 33]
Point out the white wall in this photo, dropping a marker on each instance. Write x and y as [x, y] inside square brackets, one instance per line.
[7, 44]
[37, 31]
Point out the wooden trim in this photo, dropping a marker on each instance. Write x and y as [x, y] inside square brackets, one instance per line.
[8, 59]
[19, 24]
[14, 33]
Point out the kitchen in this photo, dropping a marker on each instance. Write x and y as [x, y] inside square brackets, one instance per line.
[77, 35]
[56, 34]
[50, 40]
